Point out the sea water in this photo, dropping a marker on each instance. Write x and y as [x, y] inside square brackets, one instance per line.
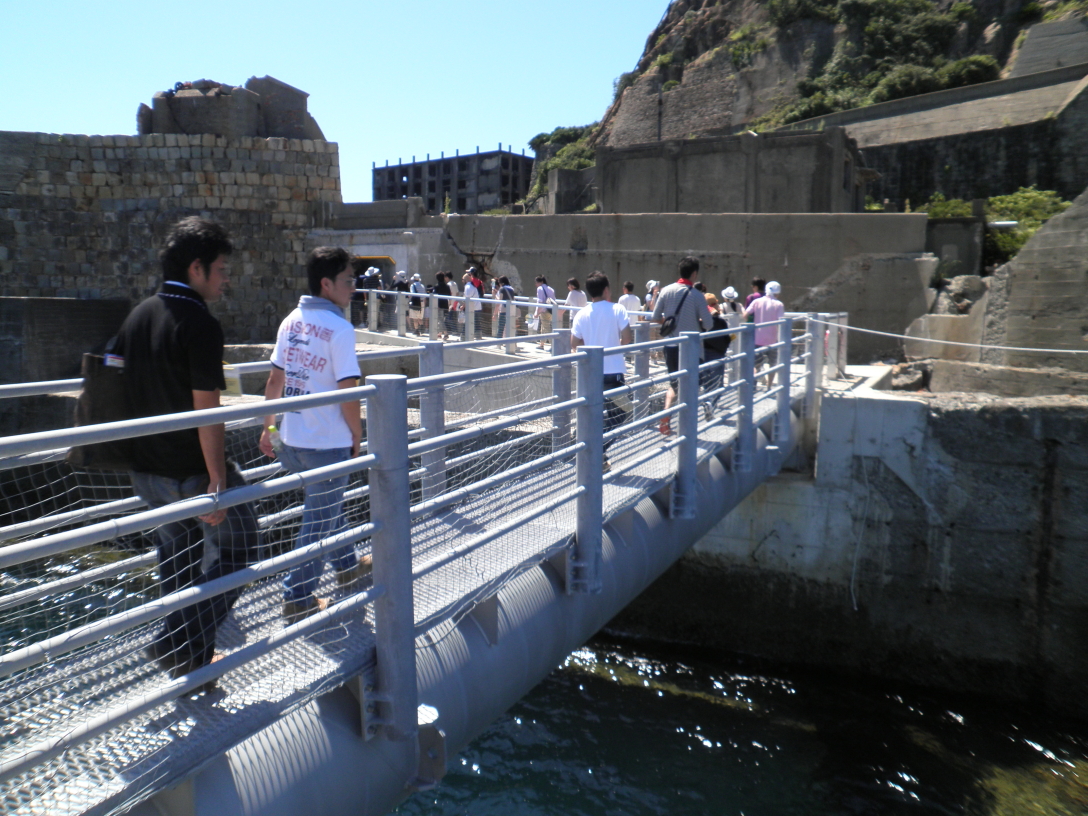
[632, 729]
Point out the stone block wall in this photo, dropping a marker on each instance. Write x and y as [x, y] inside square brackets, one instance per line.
[83, 216]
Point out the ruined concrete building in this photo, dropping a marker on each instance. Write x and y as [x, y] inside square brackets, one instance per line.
[265, 107]
[474, 182]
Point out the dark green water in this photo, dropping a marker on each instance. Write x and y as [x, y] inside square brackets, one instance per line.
[637, 729]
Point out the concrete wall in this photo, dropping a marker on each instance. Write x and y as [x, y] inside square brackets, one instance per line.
[871, 265]
[83, 216]
[940, 541]
[1040, 298]
[772, 173]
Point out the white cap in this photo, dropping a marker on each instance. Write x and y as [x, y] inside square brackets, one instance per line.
[729, 293]
[773, 288]
[372, 270]
[402, 274]
[650, 284]
[416, 276]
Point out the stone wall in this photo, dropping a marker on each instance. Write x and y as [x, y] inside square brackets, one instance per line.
[83, 216]
[942, 541]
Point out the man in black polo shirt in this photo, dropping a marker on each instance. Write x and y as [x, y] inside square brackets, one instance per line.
[173, 350]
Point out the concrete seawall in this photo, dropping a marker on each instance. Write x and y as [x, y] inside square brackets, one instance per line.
[942, 539]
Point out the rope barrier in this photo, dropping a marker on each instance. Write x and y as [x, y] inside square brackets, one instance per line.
[950, 342]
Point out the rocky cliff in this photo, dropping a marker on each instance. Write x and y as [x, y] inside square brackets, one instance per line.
[720, 66]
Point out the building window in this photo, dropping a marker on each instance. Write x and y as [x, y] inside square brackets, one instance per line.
[462, 204]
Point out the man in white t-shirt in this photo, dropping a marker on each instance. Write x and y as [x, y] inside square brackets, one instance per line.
[314, 353]
[629, 300]
[603, 323]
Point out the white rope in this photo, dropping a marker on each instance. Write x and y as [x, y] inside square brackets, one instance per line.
[950, 342]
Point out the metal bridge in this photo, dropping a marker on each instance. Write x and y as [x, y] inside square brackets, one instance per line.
[500, 542]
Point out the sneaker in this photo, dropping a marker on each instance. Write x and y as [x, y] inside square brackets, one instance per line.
[294, 611]
[607, 465]
[350, 580]
[665, 427]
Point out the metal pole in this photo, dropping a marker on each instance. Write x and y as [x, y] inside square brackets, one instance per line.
[511, 327]
[561, 377]
[432, 321]
[432, 416]
[402, 314]
[785, 353]
[394, 625]
[815, 364]
[642, 368]
[844, 342]
[833, 345]
[687, 452]
[372, 319]
[470, 319]
[557, 315]
[586, 563]
[744, 449]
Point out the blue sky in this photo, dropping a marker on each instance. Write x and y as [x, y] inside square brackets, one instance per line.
[387, 80]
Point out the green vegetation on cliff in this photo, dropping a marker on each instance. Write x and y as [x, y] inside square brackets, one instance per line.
[569, 149]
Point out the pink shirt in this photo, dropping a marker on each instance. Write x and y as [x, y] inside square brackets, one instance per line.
[765, 310]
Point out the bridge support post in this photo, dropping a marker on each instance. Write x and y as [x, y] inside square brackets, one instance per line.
[372, 305]
[744, 448]
[815, 367]
[394, 624]
[402, 315]
[687, 452]
[511, 327]
[561, 389]
[585, 568]
[785, 352]
[642, 366]
[432, 416]
[432, 320]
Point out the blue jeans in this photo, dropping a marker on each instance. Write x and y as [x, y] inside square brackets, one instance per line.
[322, 516]
[185, 548]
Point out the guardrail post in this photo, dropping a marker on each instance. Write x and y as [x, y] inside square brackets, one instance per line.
[833, 345]
[815, 364]
[511, 327]
[402, 314]
[642, 367]
[785, 354]
[394, 624]
[844, 342]
[687, 452]
[432, 416]
[557, 315]
[744, 448]
[435, 316]
[561, 389]
[372, 304]
[585, 571]
[470, 319]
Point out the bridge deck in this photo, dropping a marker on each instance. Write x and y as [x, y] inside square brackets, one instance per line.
[157, 749]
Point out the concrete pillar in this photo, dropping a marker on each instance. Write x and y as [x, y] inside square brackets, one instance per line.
[642, 367]
[470, 319]
[394, 624]
[372, 311]
[687, 452]
[586, 571]
[815, 364]
[432, 321]
[511, 327]
[402, 314]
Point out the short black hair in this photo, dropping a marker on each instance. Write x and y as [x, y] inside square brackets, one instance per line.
[629, 286]
[574, 282]
[325, 262]
[504, 281]
[760, 284]
[688, 266]
[542, 279]
[193, 239]
[596, 284]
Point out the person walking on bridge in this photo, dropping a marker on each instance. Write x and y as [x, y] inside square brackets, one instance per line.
[603, 323]
[766, 310]
[315, 353]
[690, 314]
[173, 352]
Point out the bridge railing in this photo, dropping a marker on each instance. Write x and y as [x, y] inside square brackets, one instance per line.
[448, 510]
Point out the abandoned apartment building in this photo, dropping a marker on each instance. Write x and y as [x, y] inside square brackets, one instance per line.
[475, 182]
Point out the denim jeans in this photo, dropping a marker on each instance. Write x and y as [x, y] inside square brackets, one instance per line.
[192, 552]
[322, 516]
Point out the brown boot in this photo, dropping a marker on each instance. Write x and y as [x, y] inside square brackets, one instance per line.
[350, 580]
[294, 611]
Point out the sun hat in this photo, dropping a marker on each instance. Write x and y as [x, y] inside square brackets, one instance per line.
[773, 288]
[650, 284]
[729, 293]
